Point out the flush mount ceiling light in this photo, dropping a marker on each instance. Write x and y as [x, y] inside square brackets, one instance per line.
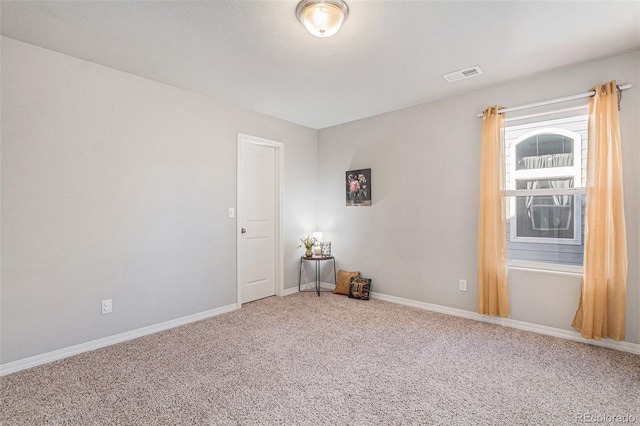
[322, 18]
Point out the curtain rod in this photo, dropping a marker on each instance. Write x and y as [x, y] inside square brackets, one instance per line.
[553, 101]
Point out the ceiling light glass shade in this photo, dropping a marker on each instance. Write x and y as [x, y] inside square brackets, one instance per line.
[322, 18]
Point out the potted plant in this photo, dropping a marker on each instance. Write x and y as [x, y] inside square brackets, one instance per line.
[308, 245]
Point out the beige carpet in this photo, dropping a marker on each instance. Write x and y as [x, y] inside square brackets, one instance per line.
[329, 360]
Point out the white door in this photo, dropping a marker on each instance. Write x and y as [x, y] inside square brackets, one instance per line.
[257, 221]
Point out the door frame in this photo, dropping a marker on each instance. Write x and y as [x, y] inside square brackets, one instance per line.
[278, 203]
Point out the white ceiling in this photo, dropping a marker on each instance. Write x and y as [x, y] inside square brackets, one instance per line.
[388, 54]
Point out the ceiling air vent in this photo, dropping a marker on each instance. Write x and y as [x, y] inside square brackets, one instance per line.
[462, 74]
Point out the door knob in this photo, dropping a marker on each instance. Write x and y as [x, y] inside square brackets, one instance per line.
[243, 231]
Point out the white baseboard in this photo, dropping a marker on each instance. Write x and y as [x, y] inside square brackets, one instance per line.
[507, 322]
[327, 286]
[45, 358]
[288, 291]
[308, 287]
[21, 364]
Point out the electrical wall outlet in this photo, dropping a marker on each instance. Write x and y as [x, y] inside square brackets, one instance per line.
[462, 285]
[107, 306]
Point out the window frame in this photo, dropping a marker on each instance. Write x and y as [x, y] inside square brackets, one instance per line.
[574, 172]
[571, 126]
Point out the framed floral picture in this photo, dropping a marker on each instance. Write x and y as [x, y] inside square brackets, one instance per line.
[358, 187]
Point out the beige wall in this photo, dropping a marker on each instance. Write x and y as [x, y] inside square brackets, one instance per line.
[420, 235]
[114, 186]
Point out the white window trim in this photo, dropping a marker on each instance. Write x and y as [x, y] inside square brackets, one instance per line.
[530, 265]
[574, 171]
[548, 191]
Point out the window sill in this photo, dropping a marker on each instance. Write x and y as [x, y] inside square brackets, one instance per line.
[544, 267]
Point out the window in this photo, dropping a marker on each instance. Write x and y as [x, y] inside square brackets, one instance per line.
[545, 176]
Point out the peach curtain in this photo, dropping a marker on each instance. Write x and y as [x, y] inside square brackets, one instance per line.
[493, 287]
[603, 299]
